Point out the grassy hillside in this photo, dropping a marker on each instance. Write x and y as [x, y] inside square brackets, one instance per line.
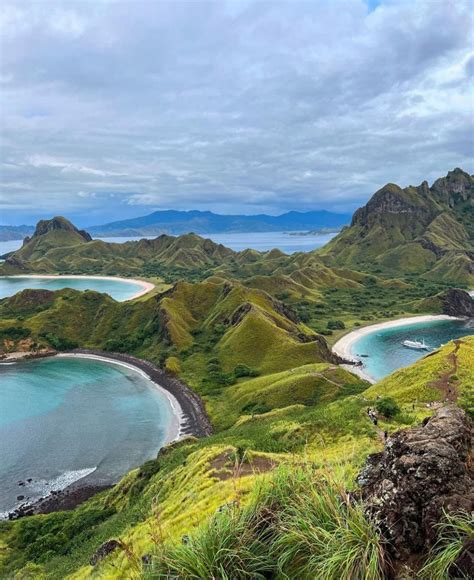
[316, 446]
[416, 229]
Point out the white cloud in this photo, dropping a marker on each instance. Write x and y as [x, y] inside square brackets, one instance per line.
[245, 106]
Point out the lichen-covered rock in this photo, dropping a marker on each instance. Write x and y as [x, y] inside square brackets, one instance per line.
[421, 472]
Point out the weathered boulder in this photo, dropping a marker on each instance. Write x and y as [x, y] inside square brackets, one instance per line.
[421, 473]
[104, 550]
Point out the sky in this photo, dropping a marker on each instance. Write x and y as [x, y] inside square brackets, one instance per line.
[111, 110]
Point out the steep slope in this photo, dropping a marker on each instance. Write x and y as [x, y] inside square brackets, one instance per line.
[413, 230]
[190, 324]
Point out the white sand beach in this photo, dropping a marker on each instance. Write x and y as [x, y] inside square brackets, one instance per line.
[146, 286]
[343, 347]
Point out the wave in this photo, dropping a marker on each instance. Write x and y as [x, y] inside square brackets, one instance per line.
[44, 486]
[39, 488]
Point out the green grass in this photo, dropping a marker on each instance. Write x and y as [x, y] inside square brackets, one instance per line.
[297, 524]
[453, 531]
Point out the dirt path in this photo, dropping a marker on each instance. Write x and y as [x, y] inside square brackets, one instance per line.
[444, 383]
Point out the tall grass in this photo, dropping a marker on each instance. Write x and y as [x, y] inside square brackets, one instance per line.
[321, 533]
[298, 524]
[453, 531]
[229, 547]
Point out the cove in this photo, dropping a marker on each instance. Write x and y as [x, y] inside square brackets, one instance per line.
[63, 419]
[385, 352]
[118, 288]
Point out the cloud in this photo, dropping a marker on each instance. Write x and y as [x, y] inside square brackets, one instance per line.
[231, 106]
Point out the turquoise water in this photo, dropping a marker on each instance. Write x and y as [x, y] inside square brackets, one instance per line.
[386, 353]
[118, 289]
[65, 418]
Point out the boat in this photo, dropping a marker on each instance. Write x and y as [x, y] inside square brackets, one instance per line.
[416, 344]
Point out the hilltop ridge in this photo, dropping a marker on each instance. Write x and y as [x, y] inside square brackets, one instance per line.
[418, 229]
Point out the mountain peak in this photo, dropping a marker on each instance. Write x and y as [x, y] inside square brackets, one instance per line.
[59, 223]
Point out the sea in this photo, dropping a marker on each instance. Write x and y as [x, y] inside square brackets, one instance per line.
[288, 242]
[69, 419]
[382, 351]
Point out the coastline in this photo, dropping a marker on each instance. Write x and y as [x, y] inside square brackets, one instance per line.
[146, 286]
[188, 409]
[178, 418]
[343, 347]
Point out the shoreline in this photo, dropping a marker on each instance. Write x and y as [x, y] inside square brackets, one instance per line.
[146, 286]
[174, 432]
[343, 347]
[188, 410]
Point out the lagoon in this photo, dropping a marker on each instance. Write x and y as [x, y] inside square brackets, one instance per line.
[385, 352]
[120, 289]
[63, 419]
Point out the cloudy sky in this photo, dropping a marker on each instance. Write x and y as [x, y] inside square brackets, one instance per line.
[114, 109]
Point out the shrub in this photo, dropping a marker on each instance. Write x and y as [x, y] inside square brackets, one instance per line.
[242, 370]
[172, 365]
[387, 407]
[14, 332]
[59, 342]
[336, 325]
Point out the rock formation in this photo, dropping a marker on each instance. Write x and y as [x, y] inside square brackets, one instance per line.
[422, 473]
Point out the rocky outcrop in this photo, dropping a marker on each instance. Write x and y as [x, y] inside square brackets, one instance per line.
[421, 473]
[456, 302]
[104, 550]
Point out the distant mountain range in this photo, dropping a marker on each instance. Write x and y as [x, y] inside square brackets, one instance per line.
[206, 222]
[202, 222]
[8, 233]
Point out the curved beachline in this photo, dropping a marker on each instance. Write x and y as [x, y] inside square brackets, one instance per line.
[343, 347]
[146, 286]
[187, 406]
[174, 431]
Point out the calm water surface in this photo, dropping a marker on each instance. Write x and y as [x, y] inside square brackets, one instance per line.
[261, 241]
[118, 289]
[62, 419]
[386, 353]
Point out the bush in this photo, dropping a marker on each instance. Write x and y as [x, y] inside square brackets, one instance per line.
[242, 370]
[59, 342]
[173, 365]
[336, 325]
[14, 333]
[387, 407]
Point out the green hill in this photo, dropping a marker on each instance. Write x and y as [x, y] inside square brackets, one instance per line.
[309, 425]
[424, 230]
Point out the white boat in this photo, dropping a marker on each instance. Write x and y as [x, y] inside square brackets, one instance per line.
[416, 344]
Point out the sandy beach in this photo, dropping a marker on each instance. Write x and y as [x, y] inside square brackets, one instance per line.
[146, 286]
[343, 347]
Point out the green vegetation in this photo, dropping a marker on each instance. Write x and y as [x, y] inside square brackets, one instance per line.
[296, 525]
[269, 494]
[387, 407]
